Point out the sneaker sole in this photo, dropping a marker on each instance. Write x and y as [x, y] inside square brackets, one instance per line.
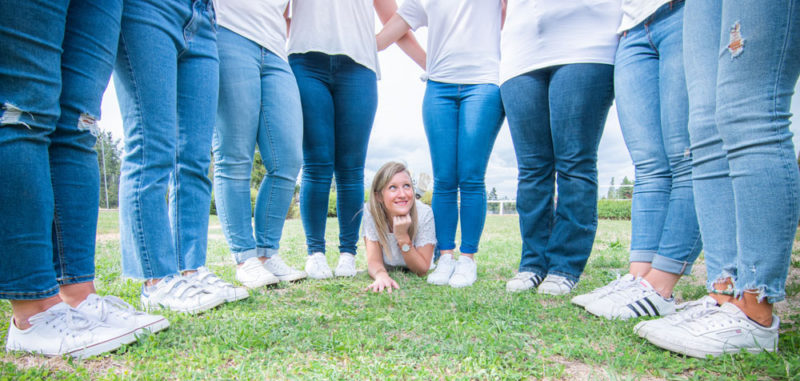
[345, 275]
[109, 345]
[152, 327]
[204, 307]
[235, 298]
[252, 285]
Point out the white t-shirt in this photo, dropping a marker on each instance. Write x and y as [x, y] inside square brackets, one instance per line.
[463, 38]
[259, 21]
[426, 234]
[636, 11]
[335, 27]
[544, 33]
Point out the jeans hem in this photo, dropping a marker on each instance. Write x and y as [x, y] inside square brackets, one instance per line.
[240, 256]
[29, 295]
[75, 279]
[671, 266]
[642, 256]
[266, 252]
[538, 271]
[565, 275]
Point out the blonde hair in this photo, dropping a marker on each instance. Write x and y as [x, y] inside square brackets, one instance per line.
[378, 210]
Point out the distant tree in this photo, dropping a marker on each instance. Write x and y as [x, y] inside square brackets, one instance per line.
[625, 190]
[612, 192]
[258, 172]
[108, 160]
[492, 194]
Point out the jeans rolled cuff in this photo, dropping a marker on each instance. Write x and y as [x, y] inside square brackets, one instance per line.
[241, 256]
[75, 279]
[29, 295]
[671, 266]
[267, 252]
[540, 272]
[642, 256]
[468, 249]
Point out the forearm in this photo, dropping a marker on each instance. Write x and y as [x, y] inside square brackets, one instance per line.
[408, 43]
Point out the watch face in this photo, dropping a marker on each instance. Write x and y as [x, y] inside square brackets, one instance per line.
[405, 248]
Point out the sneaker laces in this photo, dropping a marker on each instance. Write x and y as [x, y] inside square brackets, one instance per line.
[694, 309]
[111, 304]
[319, 260]
[68, 320]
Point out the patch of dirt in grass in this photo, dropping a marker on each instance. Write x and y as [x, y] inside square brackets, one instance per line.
[57, 364]
[576, 370]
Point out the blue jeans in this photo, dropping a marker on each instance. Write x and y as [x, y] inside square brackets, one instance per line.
[167, 82]
[51, 101]
[652, 103]
[339, 99]
[556, 117]
[747, 186]
[258, 104]
[461, 123]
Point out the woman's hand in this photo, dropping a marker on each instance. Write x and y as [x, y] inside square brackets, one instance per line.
[400, 225]
[383, 281]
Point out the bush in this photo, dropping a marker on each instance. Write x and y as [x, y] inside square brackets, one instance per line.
[427, 198]
[614, 209]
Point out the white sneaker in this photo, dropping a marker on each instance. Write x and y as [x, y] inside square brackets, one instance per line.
[443, 271]
[230, 293]
[555, 285]
[63, 330]
[524, 280]
[683, 311]
[637, 300]
[317, 266]
[179, 294]
[276, 266]
[346, 266]
[717, 331]
[252, 274]
[465, 274]
[585, 299]
[115, 312]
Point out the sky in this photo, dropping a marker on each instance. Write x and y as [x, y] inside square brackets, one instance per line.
[398, 133]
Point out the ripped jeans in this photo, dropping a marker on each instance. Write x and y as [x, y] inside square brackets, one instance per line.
[53, 72]
[742, 63]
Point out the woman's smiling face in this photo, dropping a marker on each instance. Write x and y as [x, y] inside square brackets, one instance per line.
[398, 195]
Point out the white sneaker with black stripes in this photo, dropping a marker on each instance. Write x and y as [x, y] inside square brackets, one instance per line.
[637, 300]
[555, 285]
[524, 280]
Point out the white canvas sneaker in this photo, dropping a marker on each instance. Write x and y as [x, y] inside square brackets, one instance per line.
[178, 294]
[621, 282]
[555, 285]
[717, 331]
[284, 272]
[346, 266]
[637, 300]
[230, 293]
[115, 312]
[444, 269]
[63, 330]
[465, 274]
[524, 280]
[253, 274]
[317, 266]
[683, 311]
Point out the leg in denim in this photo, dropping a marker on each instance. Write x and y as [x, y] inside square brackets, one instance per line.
[479, 119]
[168, 106]
[755, 83]
[259, 103]
[652, 105]
[461, 123]
[50, 100]
[561, 140]
[713, 190]
[339, 99]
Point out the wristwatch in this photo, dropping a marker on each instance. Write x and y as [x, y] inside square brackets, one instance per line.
[405, 248]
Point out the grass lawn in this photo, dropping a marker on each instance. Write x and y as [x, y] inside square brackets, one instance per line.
[333, 329]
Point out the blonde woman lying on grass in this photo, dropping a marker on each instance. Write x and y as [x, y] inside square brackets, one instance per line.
[398, 230]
